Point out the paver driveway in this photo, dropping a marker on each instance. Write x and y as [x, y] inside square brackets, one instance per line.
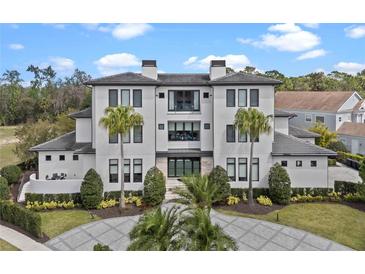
[250, 234]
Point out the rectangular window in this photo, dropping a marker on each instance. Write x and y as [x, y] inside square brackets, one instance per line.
[113, 97]
[161, 95]
[255, 169]
[161, 126]
[313, 163]
[137, 170]
[230, 97]
[230, 134]
[113, 170]
[242, 169]
[113, 139]
[48, 157]
[256, 140]
[284, 163]
[320, 119]
[75, 157]
[125, 97]
[184, 131]
[298, 163]
[308, 118]
[138, 134]
[254, 97]
[179, 167]
[242, 97]
[206, 95]
[127, 137]
[62, 157]
[206, 126]
[127, 170]
[242, 137]
[184, 100]
[231, 168]
[137, 98]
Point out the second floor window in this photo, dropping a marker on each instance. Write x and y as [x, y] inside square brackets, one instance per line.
[113, 97]
[137, 134]
[125, 97]
[184, 131]
[254, 97]
[231, 98]
[242, 97]
[230, 134]
[184, 100]
[137, 98]
[242, 137]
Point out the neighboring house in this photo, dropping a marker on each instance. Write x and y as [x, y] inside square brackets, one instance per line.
[188, 128]
[353, 136]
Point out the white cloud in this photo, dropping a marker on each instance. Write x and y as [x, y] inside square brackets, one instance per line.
[116, 63]
[244, 41]
[311, 25]
[120, 31]
[233, 61]
[58, 26]
[320, 70]
[349, 67]
[355, 32]
[16, 46]
[288, 27]
[191, 60]
[312, 54]
[62, 65]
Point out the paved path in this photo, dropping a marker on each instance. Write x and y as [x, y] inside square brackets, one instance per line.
[20, 240]
[250, 234]
[342, 173]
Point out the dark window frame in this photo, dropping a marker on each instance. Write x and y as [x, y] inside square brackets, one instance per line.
[232, 178]
[129, 139]
[134, 135]
[161, 126]
[129, 97]
[192, 159]
[127, 175]
[242, 89]
[184, 92]
[234, 133]
[258, 97]
[75, 157]
[258, 169]
[206, 95]
[134, 98]
[61, 157]
[48, 158]
[161, 95]
[112, 141]
[243, 134]
[284, 163]
[299, 163]
[234, 97]
[137, 177]
[192, 131]
[116, 93]
[113, 179]
[206, 125]
[242, 179]
[313, 163]
[318, 120]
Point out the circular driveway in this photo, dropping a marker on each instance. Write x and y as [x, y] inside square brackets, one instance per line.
[249, 234]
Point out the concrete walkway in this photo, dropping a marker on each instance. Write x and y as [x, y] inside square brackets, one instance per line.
[340, 172]
[20, 240]
[249, 234]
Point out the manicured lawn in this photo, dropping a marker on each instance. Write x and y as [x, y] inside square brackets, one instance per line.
[56, 222]
[336, 222]
[7, 145]
[5, 246]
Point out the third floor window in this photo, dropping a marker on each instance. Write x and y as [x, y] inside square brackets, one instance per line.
[184, 100]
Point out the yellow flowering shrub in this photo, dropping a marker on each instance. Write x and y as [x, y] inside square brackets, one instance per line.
[107, 203]
[232, 200]
[264, 200]
[39, 206]
[131, 199]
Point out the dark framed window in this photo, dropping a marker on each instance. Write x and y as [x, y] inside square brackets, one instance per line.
[256, 139]
[62, 157]
[161, 126]
[298, 163]
[75, 157]
[230, 134]
[242, 97]
[137, 98]
[127, 137]
[113, 170]
[242, 137]
[179, 167]
[48, 158]
[254, 97]
[242, 169]
[320, 119]
[184, 100]
[127, 170]
[206, 95]
[113, 139]
[113, 97]
[255, 169]
[313, 163]
[230, 97]
[184, 131]
[161, 95]
[284, 163]
[125, 99]
[206, 126]
[231, 168]
[137, 170]
[138, 134]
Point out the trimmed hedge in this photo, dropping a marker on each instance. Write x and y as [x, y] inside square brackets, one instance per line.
[60, 197]
[256, 192]
[116, 194]
[316, 191]
[4, 189]
[332, 162]
[26, 219]
[91, 189]
[279, 185]
[345, 187]
[154, 187]
[344, 155]
[220, 177]
[11, 173]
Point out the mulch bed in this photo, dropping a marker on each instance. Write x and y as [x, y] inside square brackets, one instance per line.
[44, 239]
[115, 211]
[359, 206]
[255, 209]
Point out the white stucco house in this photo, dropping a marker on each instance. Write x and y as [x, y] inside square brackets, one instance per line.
[188, 128]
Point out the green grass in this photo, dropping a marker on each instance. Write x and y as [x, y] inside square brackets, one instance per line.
[7, 146]
[59, 221]
[5, 246]
[336, 222]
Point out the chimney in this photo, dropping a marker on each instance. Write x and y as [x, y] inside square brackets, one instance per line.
[217, 69]
[149, 69]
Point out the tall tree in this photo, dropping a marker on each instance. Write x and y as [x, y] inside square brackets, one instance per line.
[120, 120]
[253, 123]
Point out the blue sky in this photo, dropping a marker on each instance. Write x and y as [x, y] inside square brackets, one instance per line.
[102, 49]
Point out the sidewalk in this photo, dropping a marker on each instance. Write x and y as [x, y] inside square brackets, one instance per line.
[20, 241]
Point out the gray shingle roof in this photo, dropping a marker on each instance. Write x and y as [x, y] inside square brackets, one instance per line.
[66, 142]
[127, 78]
[85, 113]
[282, 113]
[244, 78]
[183, 79]
[302, 133]
[290, 145]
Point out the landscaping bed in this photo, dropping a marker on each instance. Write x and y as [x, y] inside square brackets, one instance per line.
[115, 211]
[255, 209]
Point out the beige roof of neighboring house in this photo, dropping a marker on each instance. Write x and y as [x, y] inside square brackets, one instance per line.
[328, 101]
[352, 129]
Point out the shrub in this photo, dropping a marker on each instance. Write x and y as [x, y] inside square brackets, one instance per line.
[219, 177]
[40, 206]
[34, 197]
[154, 187]
[332, 162]
[116, 194]
[345, 155]
[22, 217]
[279, 185]
[100, 247]
[264, 200]
[362, 170]
[60, 197]
[337, 146]
[239, 192]
[334, 196]
[354, 197]
[11, 173]
[107, 203]
[4, 189]
[91, 190]
[312, 191]
[345, 187]
[131, 199]
[232, 200]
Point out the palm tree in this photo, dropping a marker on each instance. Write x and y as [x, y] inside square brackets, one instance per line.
[156, 230]
[120, 120]
[201, 235]
[198, 192]
[253, 123]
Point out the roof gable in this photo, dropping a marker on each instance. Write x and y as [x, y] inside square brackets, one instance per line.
[126, 78]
